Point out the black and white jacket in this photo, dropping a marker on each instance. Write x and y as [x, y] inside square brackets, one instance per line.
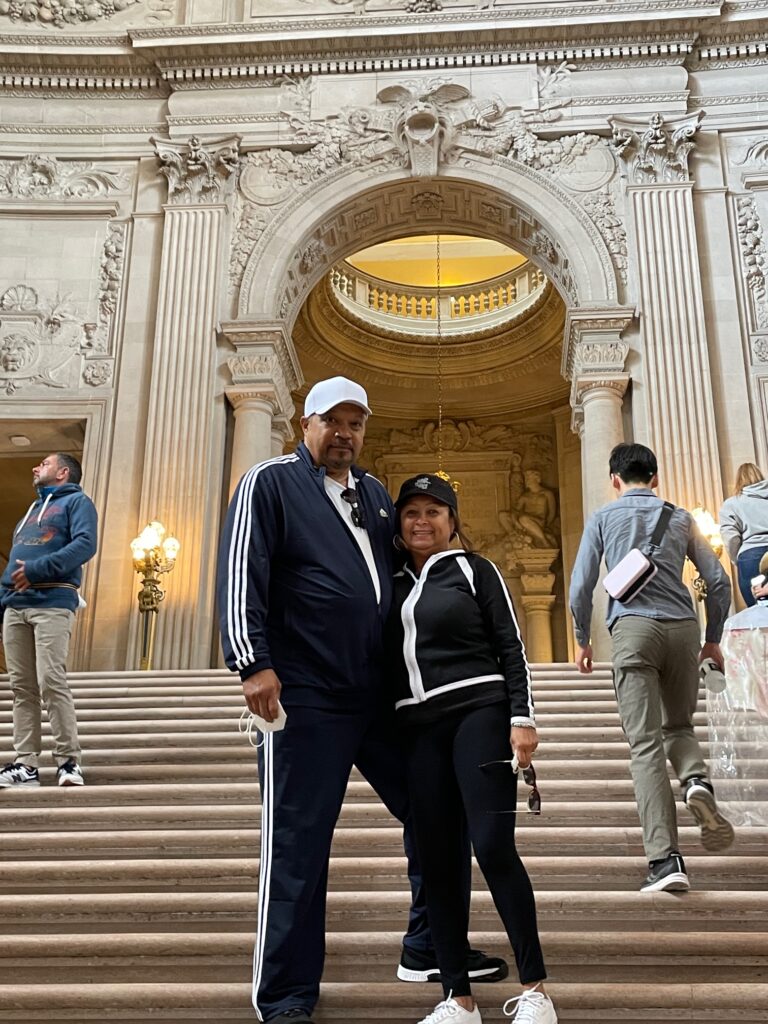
[453, 640]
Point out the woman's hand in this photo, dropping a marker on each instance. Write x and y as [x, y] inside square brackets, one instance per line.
[523, 739]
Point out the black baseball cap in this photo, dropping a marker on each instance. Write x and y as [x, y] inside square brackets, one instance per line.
[430, 485]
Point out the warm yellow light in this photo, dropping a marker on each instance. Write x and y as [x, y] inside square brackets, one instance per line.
[150, 537]
[171, 548]
[708, 527]
[137, 550]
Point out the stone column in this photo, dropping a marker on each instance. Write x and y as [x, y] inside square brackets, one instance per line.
[537, 600]
[177, 485]
[265, 369]
[598, 387]
[681, 417]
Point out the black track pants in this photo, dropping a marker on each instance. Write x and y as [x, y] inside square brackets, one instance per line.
[446, 784]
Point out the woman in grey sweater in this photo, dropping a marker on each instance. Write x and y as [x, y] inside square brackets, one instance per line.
[744, 525]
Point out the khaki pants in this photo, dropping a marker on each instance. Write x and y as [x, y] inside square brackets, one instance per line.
[655, 670]
[36, 644]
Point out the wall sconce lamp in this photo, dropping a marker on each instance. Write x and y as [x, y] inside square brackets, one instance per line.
[711, 533]
[153, 554]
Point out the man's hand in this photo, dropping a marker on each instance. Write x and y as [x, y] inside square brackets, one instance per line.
[760, 592]
[262, 694]
[523, 739]
[20, 581]
[713, 651]
[584, 659]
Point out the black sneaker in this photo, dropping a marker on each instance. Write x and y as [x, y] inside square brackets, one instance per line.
[423, 966]
[18, 774]
[716, 831]
[666, 875]
[296, 1014]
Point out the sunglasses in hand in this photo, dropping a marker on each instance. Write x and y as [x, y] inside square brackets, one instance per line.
[529, 778]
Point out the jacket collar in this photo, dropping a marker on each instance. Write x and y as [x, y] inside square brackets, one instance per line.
[319, 471]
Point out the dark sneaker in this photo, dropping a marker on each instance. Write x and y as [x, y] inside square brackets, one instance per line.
[69, 774]
[716, 831]
[423, 966]
[18, 774]
[295, 1014]
[667, 875]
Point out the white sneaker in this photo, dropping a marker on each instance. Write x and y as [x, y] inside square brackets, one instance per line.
[533, 1007]
[70, 774]
[449, 1010]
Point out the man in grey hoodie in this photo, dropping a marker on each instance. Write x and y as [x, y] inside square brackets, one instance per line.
[744, 526]
[39, 595]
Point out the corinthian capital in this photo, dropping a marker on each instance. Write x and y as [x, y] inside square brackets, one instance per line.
[656, 152]
[198, 173]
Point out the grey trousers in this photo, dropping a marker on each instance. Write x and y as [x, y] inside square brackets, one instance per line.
[655, 671]
[36, 642]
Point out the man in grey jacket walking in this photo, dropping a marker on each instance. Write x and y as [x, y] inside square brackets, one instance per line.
[656, 653]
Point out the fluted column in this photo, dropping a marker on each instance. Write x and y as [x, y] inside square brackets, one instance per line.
[681, 416]
[177, 481]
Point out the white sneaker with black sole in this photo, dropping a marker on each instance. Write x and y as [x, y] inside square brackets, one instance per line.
[70, 774]
[449, 1010]
[18, 774]
[666, 875]
[716, 831]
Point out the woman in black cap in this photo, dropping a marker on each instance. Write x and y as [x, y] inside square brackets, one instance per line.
[463, 691]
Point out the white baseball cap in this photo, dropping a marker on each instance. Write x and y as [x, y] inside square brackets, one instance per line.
[328, 393]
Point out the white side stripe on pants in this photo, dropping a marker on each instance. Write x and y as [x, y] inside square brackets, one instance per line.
[265, 868]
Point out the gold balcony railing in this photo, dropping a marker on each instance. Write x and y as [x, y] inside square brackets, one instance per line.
[469, 307]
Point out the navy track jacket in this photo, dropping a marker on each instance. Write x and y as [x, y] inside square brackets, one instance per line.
[294, 591]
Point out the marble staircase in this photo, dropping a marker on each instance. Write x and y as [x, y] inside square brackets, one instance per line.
[134, 899]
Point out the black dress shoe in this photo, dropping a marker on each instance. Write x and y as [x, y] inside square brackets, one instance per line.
[297, 1015]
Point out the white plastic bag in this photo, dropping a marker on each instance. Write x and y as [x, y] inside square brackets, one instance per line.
[738, 720]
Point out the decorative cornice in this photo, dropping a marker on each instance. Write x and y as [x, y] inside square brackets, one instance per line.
[81, 129]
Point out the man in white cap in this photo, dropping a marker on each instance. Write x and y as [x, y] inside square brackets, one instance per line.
[304, 585]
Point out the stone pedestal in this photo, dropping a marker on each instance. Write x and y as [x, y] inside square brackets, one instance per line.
[537, 601]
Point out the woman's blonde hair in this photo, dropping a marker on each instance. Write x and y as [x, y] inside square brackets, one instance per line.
[747, 473]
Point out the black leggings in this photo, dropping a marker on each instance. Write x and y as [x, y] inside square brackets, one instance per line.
[446, 784]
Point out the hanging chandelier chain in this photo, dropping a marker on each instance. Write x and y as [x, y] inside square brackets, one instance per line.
[439, 360]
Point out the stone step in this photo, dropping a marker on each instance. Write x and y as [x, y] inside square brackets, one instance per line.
[589, 956]
[365, 814]
[373, 841]
[392, 1001]
[161, 793]
[696, 912]
[348, 874]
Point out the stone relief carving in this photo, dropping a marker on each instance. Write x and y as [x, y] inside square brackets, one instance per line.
[197, 173]
[35, 342]
[470, 436]
[422, 125]
[97, 372]
[313, 254]
[110, 282]
[760, 349]
[601, 207]
[659, 154]
[44, 177]
[533, 514]
[596, 356]
[754, 259]
[62, 13]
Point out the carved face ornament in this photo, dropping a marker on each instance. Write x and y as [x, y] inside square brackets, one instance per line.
[16, 352]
